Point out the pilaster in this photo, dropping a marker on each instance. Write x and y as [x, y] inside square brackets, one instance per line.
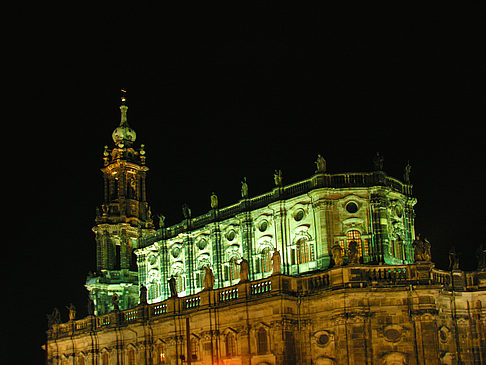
[322, 209]
[281, 232]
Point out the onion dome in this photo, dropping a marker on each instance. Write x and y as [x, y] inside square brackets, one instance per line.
[123, 136]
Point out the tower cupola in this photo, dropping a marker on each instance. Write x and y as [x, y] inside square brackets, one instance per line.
[123, 135]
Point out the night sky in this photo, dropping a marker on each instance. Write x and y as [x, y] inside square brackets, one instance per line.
[218, 92]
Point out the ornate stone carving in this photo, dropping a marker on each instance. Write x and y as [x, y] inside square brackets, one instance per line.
[337, 255]
[421, 249]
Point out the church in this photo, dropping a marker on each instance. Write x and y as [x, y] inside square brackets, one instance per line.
[327, 270]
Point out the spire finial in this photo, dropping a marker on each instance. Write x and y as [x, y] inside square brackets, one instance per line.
[123, 96]
[123, 108]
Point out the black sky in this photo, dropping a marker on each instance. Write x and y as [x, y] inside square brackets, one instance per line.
[218, 92]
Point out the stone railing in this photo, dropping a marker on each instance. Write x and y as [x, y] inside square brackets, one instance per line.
[345, 180]
[340, 278]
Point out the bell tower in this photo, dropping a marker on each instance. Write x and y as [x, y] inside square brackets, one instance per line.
[121, 219]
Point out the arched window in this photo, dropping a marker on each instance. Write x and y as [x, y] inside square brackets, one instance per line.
[234, 269]
[131, 356]
[397, 248]
[194, 349]
[230, 345]
[266, 260]
[354, 235]
[305, 251]
[179, 281]
[104, 358]
[161, 357]
[153, 291]
[262, 342]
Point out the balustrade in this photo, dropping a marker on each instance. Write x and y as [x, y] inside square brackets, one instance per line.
[332, 279]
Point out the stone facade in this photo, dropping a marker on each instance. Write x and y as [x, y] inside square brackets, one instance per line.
[323, 271]
[303, 221]
[361, 314]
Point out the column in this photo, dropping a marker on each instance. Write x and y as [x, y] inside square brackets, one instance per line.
[322, 211]
[125, 254]
[379, 223]
[217, 254]
[247, 241]
[189, 264]
[281, 239]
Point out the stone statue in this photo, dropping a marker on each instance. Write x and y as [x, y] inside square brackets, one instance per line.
[91, 306]
[406, 173]
[481, 256]
[114, 300]
[321, 165]
[186, 212]
[337, 255]
[421, 249]
[161, 221]
[214, 201]
[172, 287]
[72, 312]
[244, 270]
[209, 278]
[378, 162]
[53, 318]
[105, 209]
[453, 259]
[353, 256]
[276, 262]
[143, 294]
[244, 189]
[278, 178]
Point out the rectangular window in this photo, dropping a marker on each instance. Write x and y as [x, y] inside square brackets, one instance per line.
[226, 273]
[366, 247]
[257, 265]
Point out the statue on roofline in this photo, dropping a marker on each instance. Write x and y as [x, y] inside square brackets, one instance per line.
[161, 221]
[244, 270]
[214, 201]
[406, 173]
[72, 311]
[378, 161]
[481, 256]
[453, 259]
[143, 294]
[276, 264]
[53, 318]
[172, 287]
[421, 249]
[209, 278]
[321, 165]
[186, 211]
[114, 300]
[337, 255]
[278, 178]
[353, 254]
[244, 188]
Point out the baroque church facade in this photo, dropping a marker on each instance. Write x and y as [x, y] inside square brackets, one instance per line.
[327, 270]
